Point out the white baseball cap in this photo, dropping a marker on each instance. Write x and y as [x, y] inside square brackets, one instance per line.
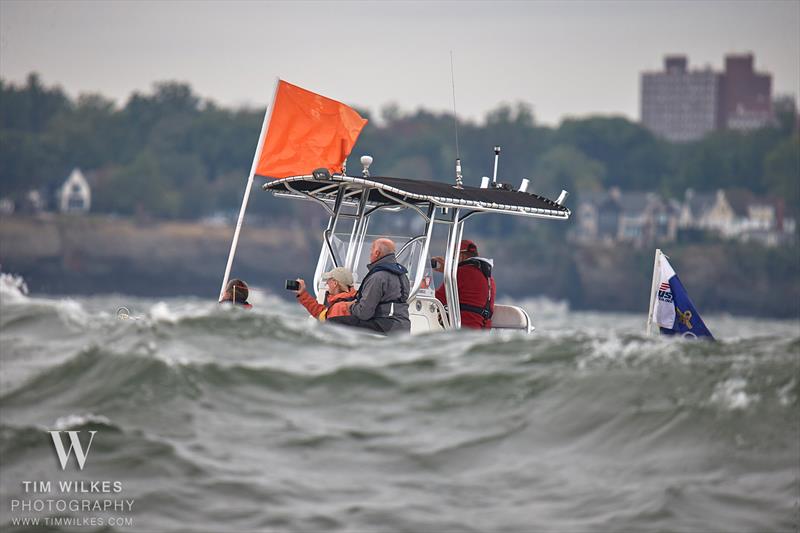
[340, 274]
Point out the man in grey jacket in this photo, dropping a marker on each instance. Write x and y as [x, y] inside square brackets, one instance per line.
[381, 302]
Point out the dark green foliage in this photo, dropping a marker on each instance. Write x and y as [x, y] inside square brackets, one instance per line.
[633, 158]
[781, 175]
[171, 154]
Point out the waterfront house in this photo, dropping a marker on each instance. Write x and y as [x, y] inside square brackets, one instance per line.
[708, 211]
[75, 195]
[738, 214]
[640, 218]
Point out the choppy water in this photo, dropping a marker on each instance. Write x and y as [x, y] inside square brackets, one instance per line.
[217, 419]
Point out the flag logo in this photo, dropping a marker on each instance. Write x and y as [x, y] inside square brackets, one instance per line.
[665, 293]
[685, 317]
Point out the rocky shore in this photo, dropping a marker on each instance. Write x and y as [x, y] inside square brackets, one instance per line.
[99, 254]
[95, 255]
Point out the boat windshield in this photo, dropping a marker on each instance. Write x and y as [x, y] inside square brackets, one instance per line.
[408, 255]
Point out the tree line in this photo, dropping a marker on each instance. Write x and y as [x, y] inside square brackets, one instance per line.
[170, 153]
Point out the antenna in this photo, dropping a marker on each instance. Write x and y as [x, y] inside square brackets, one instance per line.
[459, 178]
[496, 157]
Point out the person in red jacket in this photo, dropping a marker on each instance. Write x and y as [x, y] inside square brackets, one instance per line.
[476, 288]
[338, 298]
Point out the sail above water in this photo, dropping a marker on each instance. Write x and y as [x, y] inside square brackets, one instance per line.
[670, 307]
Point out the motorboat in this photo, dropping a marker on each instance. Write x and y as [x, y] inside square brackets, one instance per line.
[305, 131]
[352, 201]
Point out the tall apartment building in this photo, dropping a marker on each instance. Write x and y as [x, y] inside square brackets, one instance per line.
[679, 104]
[745, 95]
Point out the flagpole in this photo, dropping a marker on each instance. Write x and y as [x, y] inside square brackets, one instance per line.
[235, 242]
[653, 289]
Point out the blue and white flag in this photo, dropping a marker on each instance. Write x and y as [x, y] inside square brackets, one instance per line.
[673, 311]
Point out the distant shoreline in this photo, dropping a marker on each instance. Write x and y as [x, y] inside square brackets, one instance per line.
[95, 255]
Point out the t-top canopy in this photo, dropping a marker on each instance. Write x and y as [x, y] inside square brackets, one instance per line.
[394, 191]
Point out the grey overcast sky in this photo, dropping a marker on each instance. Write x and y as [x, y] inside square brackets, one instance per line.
[564, 58]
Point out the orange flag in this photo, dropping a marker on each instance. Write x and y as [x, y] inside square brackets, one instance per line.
[307, 131]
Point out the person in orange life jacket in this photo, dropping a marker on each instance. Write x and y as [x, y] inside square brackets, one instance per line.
[382, 299]
[236, 292]
[338, 298]
[476, 287]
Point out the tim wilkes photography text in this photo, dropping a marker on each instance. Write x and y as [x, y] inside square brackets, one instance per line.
[72, 502]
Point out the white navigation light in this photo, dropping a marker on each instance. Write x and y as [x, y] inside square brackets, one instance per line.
[485, 182]
[523, 187]
[366, 161]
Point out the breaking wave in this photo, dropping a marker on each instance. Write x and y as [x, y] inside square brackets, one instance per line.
[263, 420]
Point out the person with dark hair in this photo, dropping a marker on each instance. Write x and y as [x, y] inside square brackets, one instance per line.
[236, 292]
[338, 297]
[381, 303]
[476, 287]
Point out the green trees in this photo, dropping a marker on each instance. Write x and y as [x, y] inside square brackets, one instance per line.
[633, 158]
[28, 152]
[781, 175]
[170, 153]
[566, 166]
[165, 154]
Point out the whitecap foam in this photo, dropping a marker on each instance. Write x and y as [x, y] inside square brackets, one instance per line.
[732, 395]
[72, 313]
[162, 313]
[75, 420]
[13, 287]
[174, 313]
[785, 396]
[630, 350]
[14, 291]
